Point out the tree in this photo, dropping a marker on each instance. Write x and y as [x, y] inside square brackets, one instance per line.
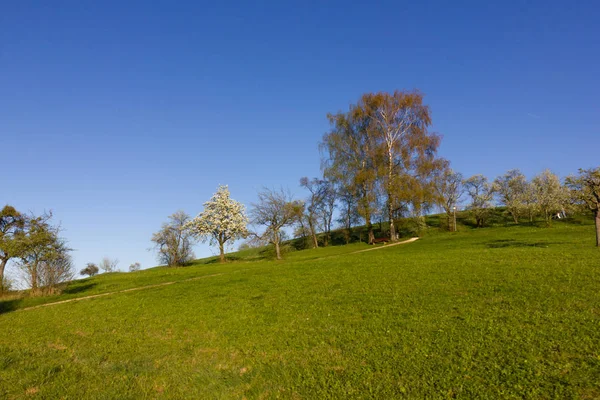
[399, 122]
[173, 242]
[222, 220]
[135, 267]
[275, 210]
[481, 193]
[312, 205]
[585, 191]
[108, 264]
[550, 195]
[12, 225]
[90, 269]
[448, 189]
[327, 208]
[348, 212]
[351, 161]
[44, 259]
[512, 190]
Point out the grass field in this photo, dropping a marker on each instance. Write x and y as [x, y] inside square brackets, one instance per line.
[505, 312]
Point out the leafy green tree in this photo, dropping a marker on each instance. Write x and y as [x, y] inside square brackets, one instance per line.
[222, 220]
[12, 225]
[44, 259]
[90, 269]
[585, 191]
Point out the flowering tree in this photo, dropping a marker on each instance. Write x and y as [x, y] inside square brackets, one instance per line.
[223, 219]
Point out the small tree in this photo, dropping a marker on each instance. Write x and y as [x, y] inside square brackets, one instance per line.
[90, 269]
[44, 260]
[222, 220]
[585, 191]
[135, 267]
[448, 188]
[12, 225]
[173, 242]
[550, 195]
[481, 193]
[108, 264]
[274, 210]
[512, 191]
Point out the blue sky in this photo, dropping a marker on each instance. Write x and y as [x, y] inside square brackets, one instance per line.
[116, 114]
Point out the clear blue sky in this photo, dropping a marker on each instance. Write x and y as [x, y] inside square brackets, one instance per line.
[116, 114]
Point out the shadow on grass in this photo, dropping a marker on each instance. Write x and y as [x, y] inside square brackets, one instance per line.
[502, 243]
[9, 305]
[79, 288]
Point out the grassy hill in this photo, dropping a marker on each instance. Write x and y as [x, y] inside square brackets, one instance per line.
[498, 312]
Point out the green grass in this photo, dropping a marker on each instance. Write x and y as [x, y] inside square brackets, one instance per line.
[502, 312]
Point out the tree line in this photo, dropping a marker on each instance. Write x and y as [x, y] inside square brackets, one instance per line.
[379, 162]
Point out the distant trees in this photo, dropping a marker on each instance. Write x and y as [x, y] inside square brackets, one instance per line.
[585, 192]
[90, 269]
[135, 267]
[108, 264]
[482, 194]
[222, 220]
[173, 242]
[275, 210]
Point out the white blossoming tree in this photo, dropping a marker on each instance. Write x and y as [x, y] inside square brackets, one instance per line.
[222, 220]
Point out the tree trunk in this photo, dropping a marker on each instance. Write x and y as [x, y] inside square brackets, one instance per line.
[371, 235]
[389, 194]
[277, 250]
[3, 263]
[222, 251]
[597, 228]
[313, 234]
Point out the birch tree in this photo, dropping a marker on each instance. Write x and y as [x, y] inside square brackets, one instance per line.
[222, 220]
[400, 123]
[585, 191]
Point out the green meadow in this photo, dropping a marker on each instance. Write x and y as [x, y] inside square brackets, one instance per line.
[502, 312]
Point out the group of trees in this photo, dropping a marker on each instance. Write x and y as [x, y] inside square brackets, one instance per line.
[107, 264]
[38, 251]
[543, 196]
[379, 161]
[381, 158]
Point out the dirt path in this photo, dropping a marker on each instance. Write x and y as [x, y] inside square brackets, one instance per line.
[93, 296]
[191, 279]
[386, 245]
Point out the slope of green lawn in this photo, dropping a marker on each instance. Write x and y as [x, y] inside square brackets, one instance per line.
[491, 313]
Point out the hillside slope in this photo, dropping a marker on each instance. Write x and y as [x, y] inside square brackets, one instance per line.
[490, 313]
